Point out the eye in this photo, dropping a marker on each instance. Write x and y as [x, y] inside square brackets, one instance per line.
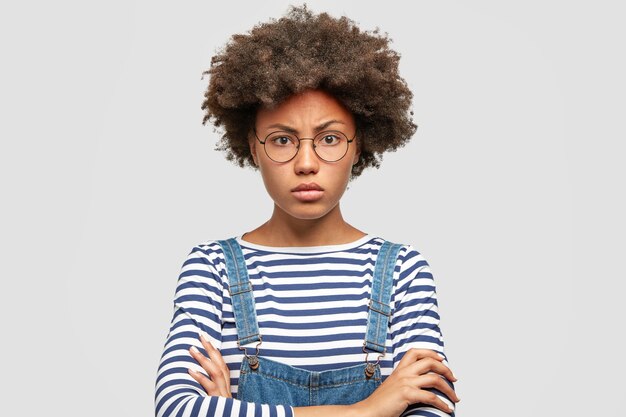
[280, 140]
[329, 139]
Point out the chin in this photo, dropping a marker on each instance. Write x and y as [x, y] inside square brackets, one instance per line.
[307, 211]
[308, 214]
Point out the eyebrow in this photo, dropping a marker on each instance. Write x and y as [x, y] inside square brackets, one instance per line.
[318, 128]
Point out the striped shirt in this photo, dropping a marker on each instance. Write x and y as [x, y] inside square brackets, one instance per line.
[312, 306]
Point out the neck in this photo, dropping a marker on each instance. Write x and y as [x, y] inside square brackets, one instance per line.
[285, 230]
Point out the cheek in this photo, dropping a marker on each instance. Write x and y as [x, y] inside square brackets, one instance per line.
[339, 177]
[275, 181]
[346, 167]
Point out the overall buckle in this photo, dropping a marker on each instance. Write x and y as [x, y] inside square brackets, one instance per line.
[370, 367]
[252, 360]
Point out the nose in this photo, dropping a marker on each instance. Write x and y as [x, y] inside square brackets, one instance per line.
[306, 160]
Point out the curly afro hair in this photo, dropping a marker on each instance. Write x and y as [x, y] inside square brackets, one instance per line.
[306, 51]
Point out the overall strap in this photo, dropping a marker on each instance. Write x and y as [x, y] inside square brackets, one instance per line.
[241, 294]
[379, 306]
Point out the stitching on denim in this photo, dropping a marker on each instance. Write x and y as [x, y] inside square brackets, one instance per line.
[272, 377]
[375, 378]
[382, 290]
[239, 283]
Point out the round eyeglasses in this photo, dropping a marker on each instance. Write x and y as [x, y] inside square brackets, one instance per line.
[329, 145]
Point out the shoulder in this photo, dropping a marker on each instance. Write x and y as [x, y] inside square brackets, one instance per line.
[208, 251]
[412, 269]
[409, 257]
[204, 263]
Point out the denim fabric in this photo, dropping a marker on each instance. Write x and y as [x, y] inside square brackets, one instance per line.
[277, 383]
[241, 294]
[380, 297]
[265, 381]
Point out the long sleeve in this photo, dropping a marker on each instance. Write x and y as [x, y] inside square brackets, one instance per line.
[197, 307]
[415, 321]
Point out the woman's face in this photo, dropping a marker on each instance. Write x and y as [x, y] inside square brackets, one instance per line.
[305, 114]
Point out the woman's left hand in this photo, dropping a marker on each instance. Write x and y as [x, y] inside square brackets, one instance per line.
[219, 382]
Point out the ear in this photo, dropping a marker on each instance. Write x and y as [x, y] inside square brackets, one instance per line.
[357, 154]
[252, 142]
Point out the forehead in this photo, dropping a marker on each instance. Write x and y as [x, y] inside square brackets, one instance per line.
[312, 107]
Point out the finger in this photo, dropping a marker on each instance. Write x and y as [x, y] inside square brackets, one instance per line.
[216, 357]
[214, 372]
[415, 354]
[426, 365]
[435, 381]
[427, 397]
[209, 386]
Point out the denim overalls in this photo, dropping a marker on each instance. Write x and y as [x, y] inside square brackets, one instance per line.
[266, 381]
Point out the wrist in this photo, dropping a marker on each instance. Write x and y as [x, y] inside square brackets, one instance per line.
[352, 410]
[359, 409]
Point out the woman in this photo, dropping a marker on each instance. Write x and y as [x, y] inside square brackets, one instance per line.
[306, 315]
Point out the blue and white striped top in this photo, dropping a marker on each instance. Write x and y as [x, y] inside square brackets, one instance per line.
[312, 305]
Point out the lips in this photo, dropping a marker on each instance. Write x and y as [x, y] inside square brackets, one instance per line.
[311, 186]
[308, 192]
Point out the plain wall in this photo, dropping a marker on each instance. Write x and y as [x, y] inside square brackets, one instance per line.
[512, 188]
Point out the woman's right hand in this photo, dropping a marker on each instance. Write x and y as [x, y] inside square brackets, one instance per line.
[418, 369]
[218, 383]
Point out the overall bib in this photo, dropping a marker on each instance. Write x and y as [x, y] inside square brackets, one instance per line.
[266, 381]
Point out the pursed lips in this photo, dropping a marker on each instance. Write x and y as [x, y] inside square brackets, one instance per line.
[311, 186]
[308, 192]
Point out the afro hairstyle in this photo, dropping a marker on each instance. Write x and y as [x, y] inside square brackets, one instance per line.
[300, 51]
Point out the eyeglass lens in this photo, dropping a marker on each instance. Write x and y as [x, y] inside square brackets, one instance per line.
[330, 146]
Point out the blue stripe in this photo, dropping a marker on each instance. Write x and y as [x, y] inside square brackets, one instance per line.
[307, 313]
[198, 312]
[417, 302]
[197, 273]
[180, 382]
[212, 405]
[413, 326]
[312, 353]
[169, 395]
[308, 261]
[313, 325]
[192, 285]
[415, 315]
[313, 298]
[183, 406]
[418, 339]
[416, 288]
[195, 411]
[313, 339]
[424, 413]
[274, 353]
[193, 335]
[228, 407]
[316, 273]
[243, 409]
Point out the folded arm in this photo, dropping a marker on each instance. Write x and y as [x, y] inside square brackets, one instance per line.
[415, 325]
[197, 308]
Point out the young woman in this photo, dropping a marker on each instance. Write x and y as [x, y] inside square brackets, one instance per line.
[306, 315]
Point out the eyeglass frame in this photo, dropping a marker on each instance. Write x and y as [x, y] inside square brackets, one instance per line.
[301, 139]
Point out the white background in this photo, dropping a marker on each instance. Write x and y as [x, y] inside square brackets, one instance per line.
[512, 188]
